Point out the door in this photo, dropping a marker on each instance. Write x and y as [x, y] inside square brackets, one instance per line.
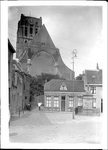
[62, 103]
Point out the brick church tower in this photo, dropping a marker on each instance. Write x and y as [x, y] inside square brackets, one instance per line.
[28, 27]
[35, 45]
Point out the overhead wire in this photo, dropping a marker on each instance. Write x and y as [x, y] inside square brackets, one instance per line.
[84, 54]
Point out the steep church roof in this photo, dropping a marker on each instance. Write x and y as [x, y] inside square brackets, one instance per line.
[39, 42]
[42, 38]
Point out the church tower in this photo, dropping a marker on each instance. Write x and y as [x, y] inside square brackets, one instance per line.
[35, 45]
[28, 27]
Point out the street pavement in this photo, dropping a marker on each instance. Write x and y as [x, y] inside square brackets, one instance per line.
[55, 127]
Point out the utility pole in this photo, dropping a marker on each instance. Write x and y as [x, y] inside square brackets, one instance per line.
[74, 52]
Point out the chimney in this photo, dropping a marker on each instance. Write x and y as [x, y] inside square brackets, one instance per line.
[97, 67]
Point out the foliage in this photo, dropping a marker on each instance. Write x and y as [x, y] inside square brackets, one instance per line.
[37, 83]
[80, 77]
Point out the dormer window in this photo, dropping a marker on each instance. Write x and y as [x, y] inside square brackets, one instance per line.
[63, 86]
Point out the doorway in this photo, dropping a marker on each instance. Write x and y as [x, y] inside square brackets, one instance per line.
[63, 103]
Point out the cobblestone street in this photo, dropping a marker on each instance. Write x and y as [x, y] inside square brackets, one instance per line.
[52, 127]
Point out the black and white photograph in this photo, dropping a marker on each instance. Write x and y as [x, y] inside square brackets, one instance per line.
[56, 75]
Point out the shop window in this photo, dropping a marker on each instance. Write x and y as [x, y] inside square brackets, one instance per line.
[94, 103]
[87, 103]
[56, 101]
[80, 102]
[70, 101]
[93, 90]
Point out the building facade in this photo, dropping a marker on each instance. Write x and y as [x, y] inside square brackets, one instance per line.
[20, 89]
[34, 43]
[17, 89]
[93, 86]
[11, 51]
[58, 95]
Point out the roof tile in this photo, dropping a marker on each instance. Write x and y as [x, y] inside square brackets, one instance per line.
[54, 85]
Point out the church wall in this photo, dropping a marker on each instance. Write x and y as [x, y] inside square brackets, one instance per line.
[35, 43]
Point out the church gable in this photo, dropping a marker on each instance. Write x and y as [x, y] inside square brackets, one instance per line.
[24, 57]
[42, 39]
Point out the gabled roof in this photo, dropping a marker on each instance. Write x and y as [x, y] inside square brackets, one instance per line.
[42, 38]
[55, 85]
[93, 76]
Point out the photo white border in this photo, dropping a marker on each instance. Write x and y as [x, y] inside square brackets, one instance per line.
[4, 75]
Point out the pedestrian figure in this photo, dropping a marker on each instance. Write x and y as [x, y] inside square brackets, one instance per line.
[39, 105]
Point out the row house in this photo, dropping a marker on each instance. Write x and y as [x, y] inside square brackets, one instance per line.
[11, 51]
[59, 94]
[20, 89]
[87, 93]
[93, 99]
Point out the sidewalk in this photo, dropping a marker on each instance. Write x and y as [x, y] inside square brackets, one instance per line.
[18, 116]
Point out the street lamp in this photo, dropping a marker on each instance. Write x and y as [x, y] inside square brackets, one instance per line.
[74, 52]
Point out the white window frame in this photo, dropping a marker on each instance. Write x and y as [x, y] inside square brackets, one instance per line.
[94, 103]
[56, 101]
[80, 101]
[93, 90]
[70, 101]
[48, 101]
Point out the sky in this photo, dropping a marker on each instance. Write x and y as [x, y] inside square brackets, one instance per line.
[70, 27]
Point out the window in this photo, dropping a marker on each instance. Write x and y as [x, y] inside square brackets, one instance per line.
[36, 23]
[93, 90]
[48, 101]
[31, 30]
[70, 101]
[56, 101]
[25, 30]
[94, 103]
[36, 30]
[80, 102]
